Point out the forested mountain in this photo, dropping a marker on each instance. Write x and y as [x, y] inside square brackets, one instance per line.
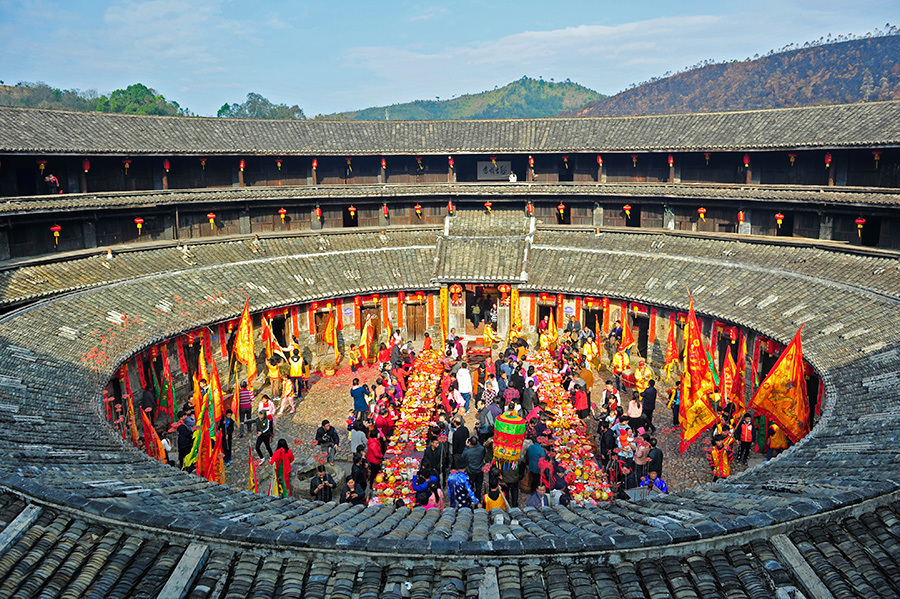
[525, 98]
[858, 70]
[135, 99]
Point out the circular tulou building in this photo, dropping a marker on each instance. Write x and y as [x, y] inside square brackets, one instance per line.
[772, 219]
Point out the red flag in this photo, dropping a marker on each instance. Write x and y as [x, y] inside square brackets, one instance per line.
[244, 351]
[782, 395]
[253, 483]
[330, 337]
[697, 384]
[152, 444]
[223, 339]
[627, 333]
[140, 368]
[182, 362]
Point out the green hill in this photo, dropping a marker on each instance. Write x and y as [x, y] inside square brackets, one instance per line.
[820, 72]
[525, 98]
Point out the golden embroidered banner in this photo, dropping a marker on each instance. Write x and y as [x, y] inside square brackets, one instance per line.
[244, 351]
[671, 348]
[515, 318]
[697, 384]
[443, 301]
[782, 395]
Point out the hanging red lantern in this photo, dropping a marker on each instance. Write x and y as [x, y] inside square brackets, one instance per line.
[504, 290]
[494, 161]
[242, 164]
[529, 208]
[531, 162]
[41, 165]
[671, 160]
[166, 164]
[318, 212]
[278, 162]
[418, 209]
[56, 229]
[707, 155]
[740, 216]
[282, 213]
[860, 221]
[562, 208]
[203, 163]
[746, 160]
[793, 157]
[86, 165]
[383, 164]
[419, 162]
[488, 206]
[349, 164]
[212, 220]
[566, 162]
[702, 212]
[450, 207]
[384, 210]
[827, 159]
[634, 158]
[779, 218]
[126, 163]
[315, 163]
[352, 211]
[627, 209]
[876, 154]
[599, 160]
[456, 295]
[140, 224]
[450, 162]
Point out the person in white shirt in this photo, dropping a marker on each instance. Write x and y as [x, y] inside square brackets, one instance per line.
[464, 378]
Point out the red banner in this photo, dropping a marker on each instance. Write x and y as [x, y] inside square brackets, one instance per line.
[401, 299]
[140, 366]
[386, 315]
[578, 309]
[560, 316]
[311, 317]
[606, 316]
[357, 318]
[223, 339]
[182, 362]
[532, 310]
[430, 309]
[754, 364]
[651, 333]
[123, 376]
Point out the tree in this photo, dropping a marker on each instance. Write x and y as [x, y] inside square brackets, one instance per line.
[258, 107]
[139, 99]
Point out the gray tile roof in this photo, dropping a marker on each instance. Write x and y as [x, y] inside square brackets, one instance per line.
[58, 132]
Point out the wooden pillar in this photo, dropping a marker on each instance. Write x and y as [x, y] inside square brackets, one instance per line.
[671, 173]
[165, 180]
[382, 177]
[315, 178]
[831, 176]
[82, 181]
[749, 178]
[240, 177]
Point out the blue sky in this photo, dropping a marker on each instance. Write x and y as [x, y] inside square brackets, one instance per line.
[343, 55]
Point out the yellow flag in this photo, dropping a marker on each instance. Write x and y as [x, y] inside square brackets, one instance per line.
[243, 343]
[782, 396]
[697, 383]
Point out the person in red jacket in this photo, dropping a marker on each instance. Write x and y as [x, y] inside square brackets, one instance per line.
[745, 436]
[374, 455]
[282, 461]
[580, 400]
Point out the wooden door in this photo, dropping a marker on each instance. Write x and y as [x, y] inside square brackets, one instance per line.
[415, 322]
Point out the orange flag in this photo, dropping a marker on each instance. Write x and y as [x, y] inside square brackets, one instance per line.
[151, 440]
[782, 396]
[365, 340]
[627, 334]
[697, 383]
[253, 483]
[330, 336]
[243, 343]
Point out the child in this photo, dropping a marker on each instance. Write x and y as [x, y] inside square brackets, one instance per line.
[720, 456]
[353, 357]
[274, 377]
[427, 345]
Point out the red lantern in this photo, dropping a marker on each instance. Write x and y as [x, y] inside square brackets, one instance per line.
[599, 160]
[877, 155]
[671, 160]
[531, 162]
[212, 220]
[41, 165]
[242, 164]
[494, 161]
[504, 290]
[203, 163]
[707, 155]
[419, 162]
[793, 157]
[349, 165]
[566, 161]
[127, 163]
[859, 225]
[562, 208]
[56, 229]
[278, 162]
[418, 209]
[450, 207]
[779, 218]
[383, 164]
[746, 160]
[702, 212]
[827, 159]
[282, 213]
[318, 212]
[140, 224]
[86, 165]
[315, 163]
[529, 208]
[488, 206]
[634, 158]
[384, 210]
[166, 164]
[352, 211]
[627, 209]
[740, 216]
[450, 162]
